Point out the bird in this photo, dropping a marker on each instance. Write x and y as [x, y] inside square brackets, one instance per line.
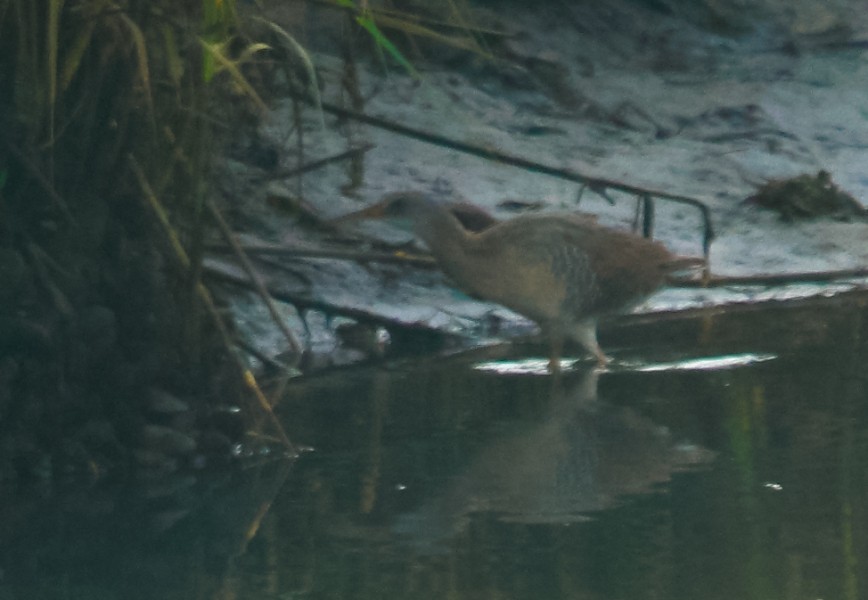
[562, 271]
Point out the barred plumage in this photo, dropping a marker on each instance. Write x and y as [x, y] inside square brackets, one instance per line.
[561, 271]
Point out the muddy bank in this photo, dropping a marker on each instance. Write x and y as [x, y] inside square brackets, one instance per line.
[702, 100]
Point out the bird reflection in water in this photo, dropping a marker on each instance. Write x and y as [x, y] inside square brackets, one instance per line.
[581, 457]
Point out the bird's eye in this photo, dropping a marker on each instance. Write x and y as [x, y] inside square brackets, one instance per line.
[397, 207]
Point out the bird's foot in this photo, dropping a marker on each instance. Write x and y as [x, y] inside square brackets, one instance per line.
[602, 360]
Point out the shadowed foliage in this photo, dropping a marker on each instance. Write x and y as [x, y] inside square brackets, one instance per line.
[97, 312]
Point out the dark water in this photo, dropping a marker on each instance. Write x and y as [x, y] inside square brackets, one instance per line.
[667, 478]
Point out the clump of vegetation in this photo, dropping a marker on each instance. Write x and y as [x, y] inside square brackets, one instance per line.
[109, 115]
[807, 197]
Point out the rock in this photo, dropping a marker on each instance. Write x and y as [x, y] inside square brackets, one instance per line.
[162, 402]
[155, 462]
[214, 442]
[157, 438]
[176, 486]
[167, 519]
[184, 422]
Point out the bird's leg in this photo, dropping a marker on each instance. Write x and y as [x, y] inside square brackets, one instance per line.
[556, 340]
[602, 359]
[586, 334]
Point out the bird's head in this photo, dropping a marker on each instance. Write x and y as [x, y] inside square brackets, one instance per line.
[436, 223]
[407, 210]
[411, 206]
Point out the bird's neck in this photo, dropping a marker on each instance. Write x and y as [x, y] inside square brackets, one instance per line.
[444, 236]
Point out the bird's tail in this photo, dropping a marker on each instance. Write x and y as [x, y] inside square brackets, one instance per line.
[686, 268]
[683, 263]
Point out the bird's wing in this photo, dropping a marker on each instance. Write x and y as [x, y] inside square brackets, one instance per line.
[628, 268]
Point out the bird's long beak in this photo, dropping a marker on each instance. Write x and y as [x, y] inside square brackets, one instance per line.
[375, 211]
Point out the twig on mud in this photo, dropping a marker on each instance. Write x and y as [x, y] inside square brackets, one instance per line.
[354, 255]
[772, 278]
[312, 166]
[205, 295]
[254, 278]
[262, 357]
[593, 183]
[425, 261]
[305, 302]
